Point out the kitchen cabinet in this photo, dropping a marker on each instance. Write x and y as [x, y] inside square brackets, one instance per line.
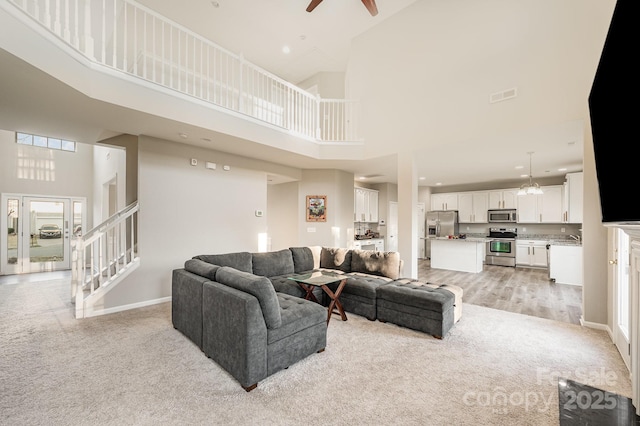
[365, 205]
[457, 254]
[444, 201]
[545, 208]
[572, 199]
[503, 199]
[473, 206]
[376, 244]
[531, 253]
[565, 264]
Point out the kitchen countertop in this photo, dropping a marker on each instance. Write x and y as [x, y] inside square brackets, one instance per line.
[557, 240]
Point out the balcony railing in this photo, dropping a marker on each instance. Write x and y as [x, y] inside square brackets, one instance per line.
[130, 38]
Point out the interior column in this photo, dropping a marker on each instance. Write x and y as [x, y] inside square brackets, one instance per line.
[408, 213]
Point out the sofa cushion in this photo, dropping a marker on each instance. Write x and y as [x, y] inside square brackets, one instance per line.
[385, 264]
[302, 259]
[260, 287]
[336, 258]
[273, 263]
[240, 261]
[202, 268]
[297, 314]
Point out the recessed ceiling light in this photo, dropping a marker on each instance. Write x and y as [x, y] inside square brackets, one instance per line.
[524, 175]
[520, 167]
[286, 49]
[422, 178]
[562, 169]
[439, 184]
[362, 178]
[183, 135]
[206, 139]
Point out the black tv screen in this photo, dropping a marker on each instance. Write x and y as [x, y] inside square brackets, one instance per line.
[615, 118]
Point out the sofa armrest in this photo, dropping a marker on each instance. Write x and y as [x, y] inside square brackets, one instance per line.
[186, 304]
[234, 333]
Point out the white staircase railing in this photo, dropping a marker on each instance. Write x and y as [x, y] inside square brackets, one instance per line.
[128, 37]
[102, 257]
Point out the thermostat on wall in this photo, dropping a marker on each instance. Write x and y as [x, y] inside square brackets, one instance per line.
[259, 213]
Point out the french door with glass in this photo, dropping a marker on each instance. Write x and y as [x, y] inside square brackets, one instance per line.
[622, 294]
[37, 231]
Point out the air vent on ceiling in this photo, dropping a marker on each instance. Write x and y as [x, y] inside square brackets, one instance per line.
[503, 95]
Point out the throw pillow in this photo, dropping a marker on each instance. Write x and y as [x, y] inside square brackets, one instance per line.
[336, 258]
[386, 264]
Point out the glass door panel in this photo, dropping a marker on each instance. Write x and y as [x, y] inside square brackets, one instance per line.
[46, 234]
[11, 243]
[36, 232]
[622, 295]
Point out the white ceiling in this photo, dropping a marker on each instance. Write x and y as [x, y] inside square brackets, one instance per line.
[258, 30]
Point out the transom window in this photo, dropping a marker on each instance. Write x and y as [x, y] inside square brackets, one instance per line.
[45, 142]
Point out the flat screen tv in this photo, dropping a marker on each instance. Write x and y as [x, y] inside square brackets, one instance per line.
[615, 117]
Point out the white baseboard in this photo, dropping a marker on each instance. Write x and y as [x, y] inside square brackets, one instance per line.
[597, 326]
[128, 307]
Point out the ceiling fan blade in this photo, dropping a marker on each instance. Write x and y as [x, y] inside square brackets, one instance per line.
[371, 6]
[313, 5]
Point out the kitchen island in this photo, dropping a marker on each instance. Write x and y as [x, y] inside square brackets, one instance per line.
[465, 255]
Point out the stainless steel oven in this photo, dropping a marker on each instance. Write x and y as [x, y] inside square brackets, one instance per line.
[501, 247]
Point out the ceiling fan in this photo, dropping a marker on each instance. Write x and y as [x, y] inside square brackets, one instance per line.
[369, 4]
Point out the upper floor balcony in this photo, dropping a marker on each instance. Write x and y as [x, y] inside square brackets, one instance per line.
[125, 39]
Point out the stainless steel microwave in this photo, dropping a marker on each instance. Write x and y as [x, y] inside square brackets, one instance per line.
[503, 215]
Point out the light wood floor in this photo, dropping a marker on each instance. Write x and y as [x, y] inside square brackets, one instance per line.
[521, 290]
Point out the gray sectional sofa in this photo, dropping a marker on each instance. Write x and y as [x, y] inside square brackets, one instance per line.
[242, 310]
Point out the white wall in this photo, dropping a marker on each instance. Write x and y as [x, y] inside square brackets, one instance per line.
[283, 215]
[330, 85]
[338, 187]
[595, 294]
[187, 211]
[42, 171]
[109, 166]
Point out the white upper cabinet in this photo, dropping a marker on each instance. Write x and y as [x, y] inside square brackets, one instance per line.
[445, 201]
[503, 199]
[545, 208]
[473, 206]
[365, 205]
[572, 200]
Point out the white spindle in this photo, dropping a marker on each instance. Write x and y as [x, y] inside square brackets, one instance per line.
[87, 39]
[135, 55]
[144, 46]
[115, 35]
[66, 32]
[56, 20]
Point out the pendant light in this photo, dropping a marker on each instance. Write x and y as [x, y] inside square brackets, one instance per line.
[531, 188]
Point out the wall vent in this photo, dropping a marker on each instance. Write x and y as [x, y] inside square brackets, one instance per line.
[503, 95]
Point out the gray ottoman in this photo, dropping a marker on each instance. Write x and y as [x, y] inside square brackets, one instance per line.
[426, 307]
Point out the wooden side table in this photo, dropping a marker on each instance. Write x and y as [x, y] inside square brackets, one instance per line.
[308, 282]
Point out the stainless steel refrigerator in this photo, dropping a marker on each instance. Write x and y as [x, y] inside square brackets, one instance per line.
[440, 224]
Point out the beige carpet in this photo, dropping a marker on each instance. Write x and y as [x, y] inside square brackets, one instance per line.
[494, 368]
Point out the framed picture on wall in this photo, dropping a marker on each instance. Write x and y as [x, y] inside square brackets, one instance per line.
[316, 208]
